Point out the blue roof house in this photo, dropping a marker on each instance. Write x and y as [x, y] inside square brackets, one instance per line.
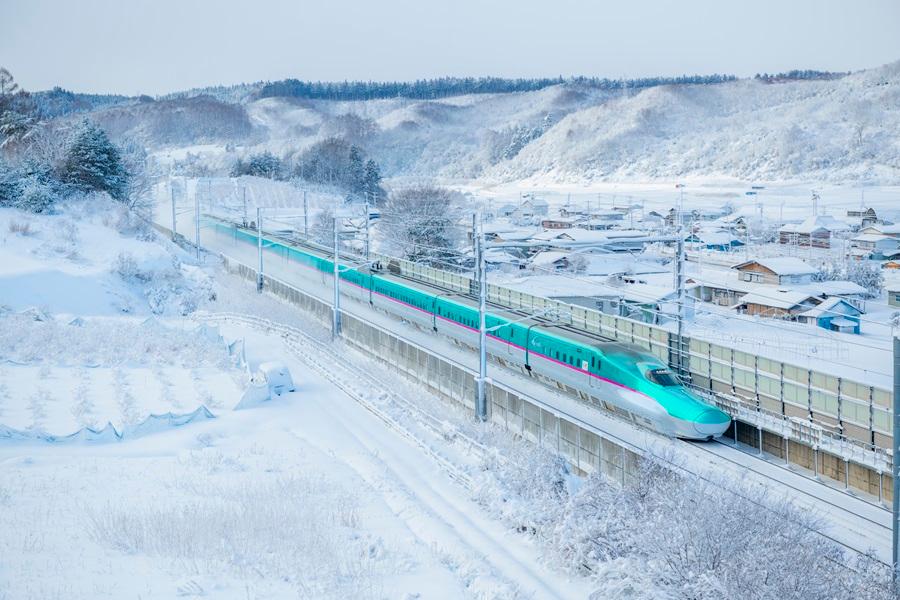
[833, 314]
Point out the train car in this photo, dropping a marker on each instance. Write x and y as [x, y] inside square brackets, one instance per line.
[624, 378]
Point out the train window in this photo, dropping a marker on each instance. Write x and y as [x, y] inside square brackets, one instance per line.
[663, 377]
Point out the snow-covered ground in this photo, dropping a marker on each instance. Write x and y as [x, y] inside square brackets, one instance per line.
[308, 495]
[332, 491]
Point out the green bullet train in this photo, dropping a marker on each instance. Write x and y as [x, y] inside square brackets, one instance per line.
[625, 378]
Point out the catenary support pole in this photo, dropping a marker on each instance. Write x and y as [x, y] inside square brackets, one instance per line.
[305, 217]
[895, 466]
[244, 190]
[197, 222]
[259, 252]
[336, 321]
[480, 400]
[174, 217]
[367, 227]
[679, 288]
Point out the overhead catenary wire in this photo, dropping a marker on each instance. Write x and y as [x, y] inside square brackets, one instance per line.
[431, 261]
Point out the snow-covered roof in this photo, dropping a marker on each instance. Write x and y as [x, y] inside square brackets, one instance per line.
[496, 256]
[893, 229]
[555, 286]
[715, 238]
[548, 257]
[836, 287]
[781, 265]
[515, 234]
[780, 298]
[816, 223]
[827, 307]
[872, 237]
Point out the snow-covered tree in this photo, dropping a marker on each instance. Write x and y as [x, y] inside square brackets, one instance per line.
[356, 172]
[94, 164]
[420, 224]
[264, 164]
[322, 229]
[140, 175]
[372, 183]
[867, 275]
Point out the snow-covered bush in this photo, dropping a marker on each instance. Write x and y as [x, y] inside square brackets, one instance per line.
[168, 285]
[18, 227]
[36, 196]
[105, 343]
[674, 536]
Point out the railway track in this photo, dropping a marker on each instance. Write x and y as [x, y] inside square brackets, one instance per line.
[358, 384]
[518, 312]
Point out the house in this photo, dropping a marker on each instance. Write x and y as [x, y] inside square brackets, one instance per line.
[494, 256]
[815, 232]
[893, 292]
[779, 270]
[833, 314]
[714, 240]
[852, 292]
[506, 210]
[530, 208]
[596, 224]
[551, 259]
[876, 245]
[891, 264]
[865, 216]
[882, 229]
[717, 290]
[539, 206]
[673, 217]
[778, 304]
[571, 212]
[558, 223]
[596, 264]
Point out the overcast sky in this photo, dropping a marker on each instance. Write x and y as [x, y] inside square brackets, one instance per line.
[158, 46]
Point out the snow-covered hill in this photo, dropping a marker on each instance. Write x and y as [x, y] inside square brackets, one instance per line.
[837, 130]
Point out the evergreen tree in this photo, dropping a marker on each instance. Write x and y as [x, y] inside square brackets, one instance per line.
[93, 163]
[356, 174]
[372, 183]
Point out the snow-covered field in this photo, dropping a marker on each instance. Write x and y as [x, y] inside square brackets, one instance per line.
[332, 491]
[308, 495]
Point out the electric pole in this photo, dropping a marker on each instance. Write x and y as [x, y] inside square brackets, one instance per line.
[174, 218]
[244, 189]
[197, 223]
[336, 321]
[480, 400]
[679, 283]
[259, 252]
[305, 217]
[367, 227]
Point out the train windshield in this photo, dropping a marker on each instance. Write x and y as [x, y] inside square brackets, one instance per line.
[663, 377]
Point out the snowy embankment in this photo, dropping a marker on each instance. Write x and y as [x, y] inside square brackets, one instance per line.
[312, 495]
[307, 496]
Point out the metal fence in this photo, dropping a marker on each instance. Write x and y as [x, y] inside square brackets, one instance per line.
[856, 413]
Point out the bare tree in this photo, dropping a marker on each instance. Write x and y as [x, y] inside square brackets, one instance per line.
[421, 224]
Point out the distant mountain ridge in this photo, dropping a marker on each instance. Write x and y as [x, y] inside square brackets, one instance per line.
[801, 125]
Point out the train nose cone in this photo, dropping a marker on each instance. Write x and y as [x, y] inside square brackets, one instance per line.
[711, 422]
